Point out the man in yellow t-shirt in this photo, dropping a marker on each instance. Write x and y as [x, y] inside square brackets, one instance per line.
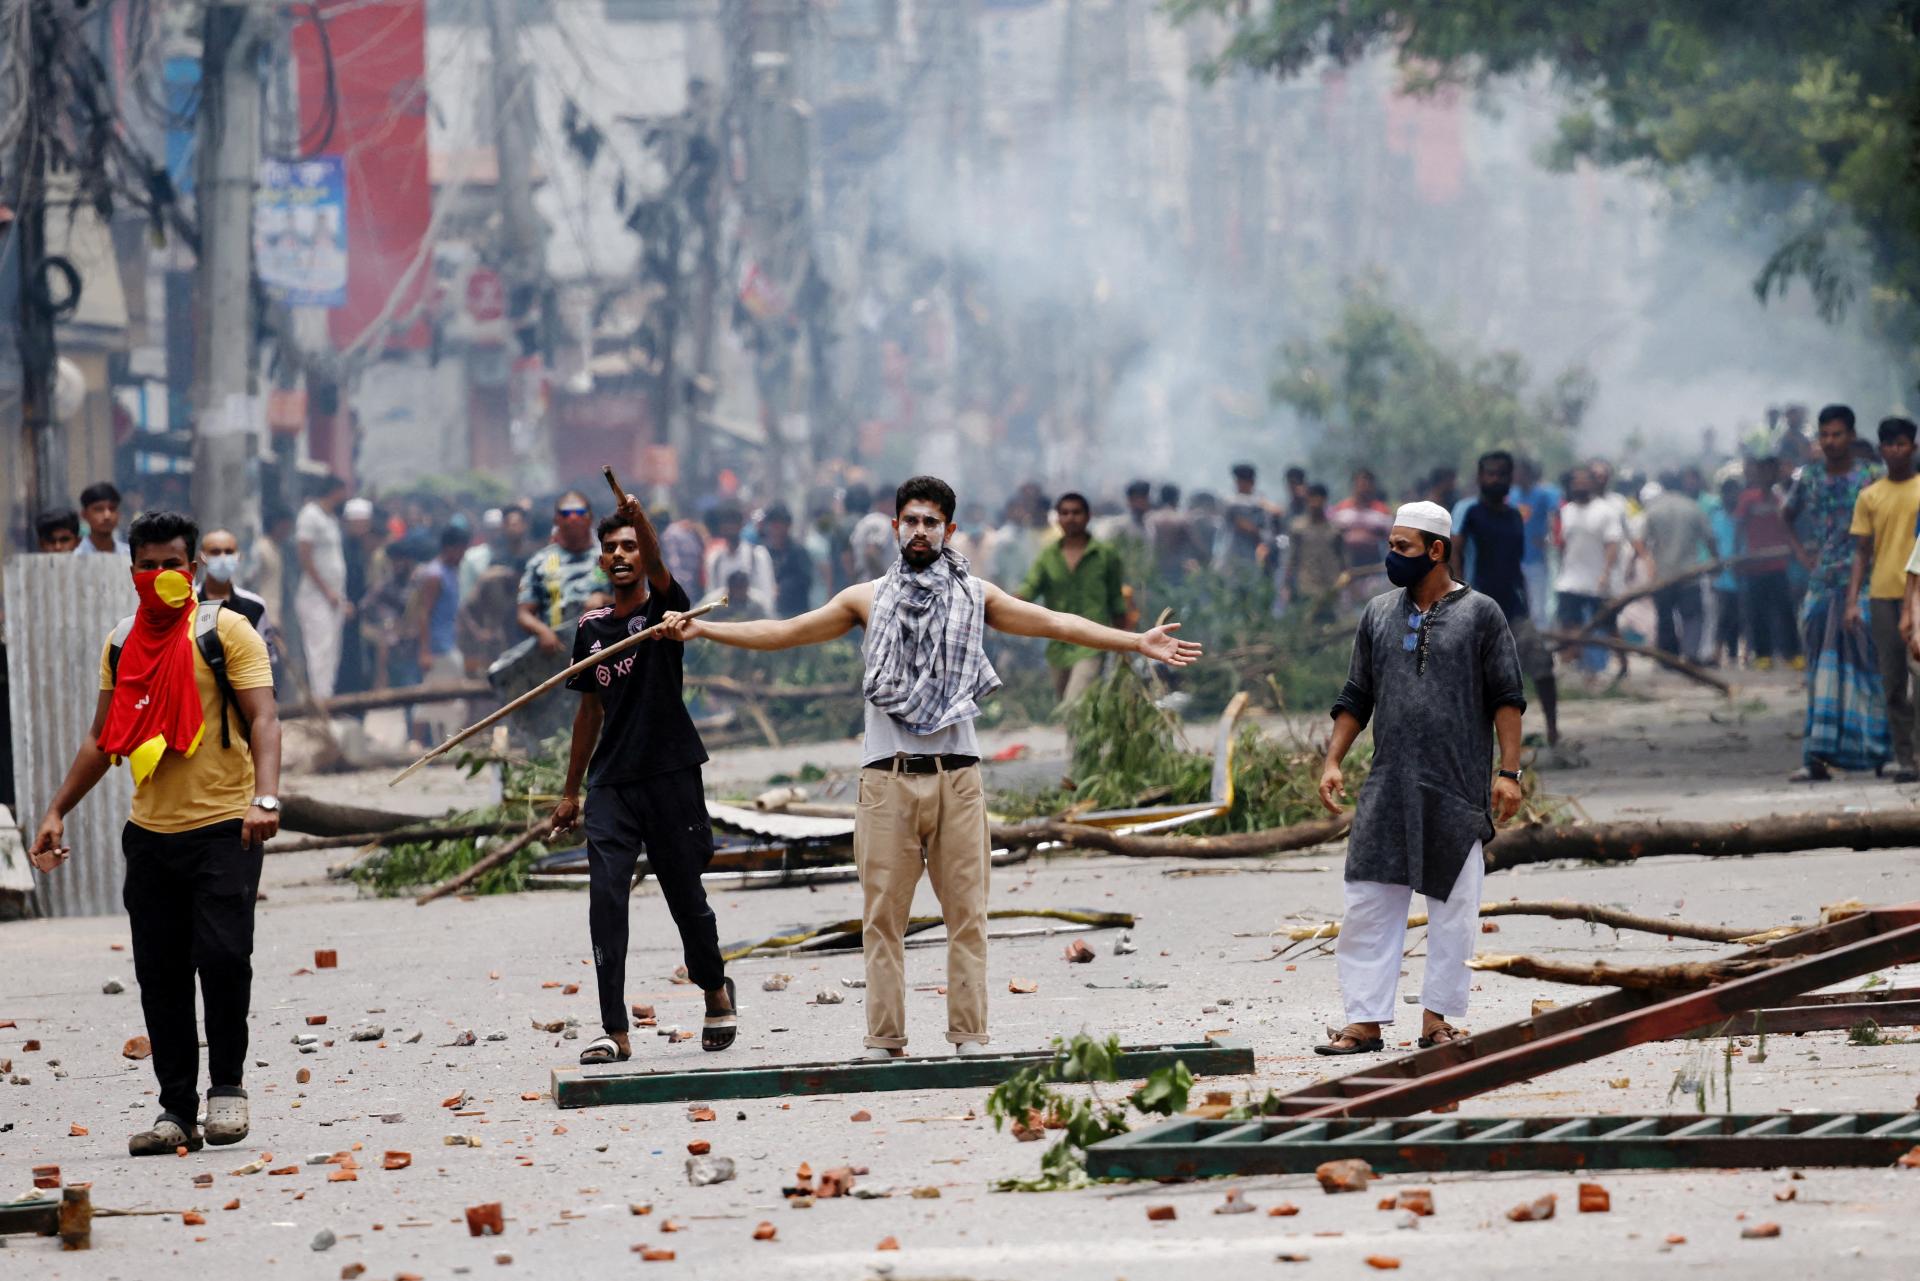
[193, 849]
[1883, 542]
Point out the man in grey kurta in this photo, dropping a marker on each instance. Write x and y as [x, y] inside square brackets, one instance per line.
[1436, 672]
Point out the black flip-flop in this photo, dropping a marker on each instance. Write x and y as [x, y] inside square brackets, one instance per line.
[603, 1050]
[717, 1031]
[1361, 1045]
[1430, 1039]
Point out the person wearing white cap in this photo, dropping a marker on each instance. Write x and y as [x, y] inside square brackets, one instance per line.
[1436, 672]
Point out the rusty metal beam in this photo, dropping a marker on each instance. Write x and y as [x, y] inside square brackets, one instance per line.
[1591, 1029]
[1825, 1012]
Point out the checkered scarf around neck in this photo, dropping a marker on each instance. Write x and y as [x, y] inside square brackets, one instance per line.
[926, 664]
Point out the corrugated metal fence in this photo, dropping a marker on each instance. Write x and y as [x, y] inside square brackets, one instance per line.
[59, 612]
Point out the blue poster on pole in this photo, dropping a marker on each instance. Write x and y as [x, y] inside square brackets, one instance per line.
[300, 231]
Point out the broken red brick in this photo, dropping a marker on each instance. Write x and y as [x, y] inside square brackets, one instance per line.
[325, 958]
[485, 1220]
[353, 1272]
[396, 1160]
[203, 1180]
[1489, 927]
[1534, 1211]
[649, 1254]
[672, 1225]
[570, 989]
[1022, 987]
[699, 1147]
[1911, 1160]
[232, 1205]
[316, 1020]
[529, 1096]
[1383, 1262]
[30, 1047]
[75, 1130]
[137, 1047]
[861, 1115]
[343, 1176]
[192, 1219]
[1445, 1107]
[455, 1101]
[836, 1182]
[1674, 1238]
[1387, 1203]
[642, 1011]
[1160, 1214]
[46, 1176]
[1078, 952]
[1760, 1231]
[700, 1114]
[1595, 1199]
[1350, 1175]
[804, 1173]
[286, 1169]
[888, 1243]
[1285, 1210]
[764, 1232]
[303, 1076]
[1788, 1193]
[1418, 1200]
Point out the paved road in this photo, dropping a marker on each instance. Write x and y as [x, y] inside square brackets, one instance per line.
[567, 1180]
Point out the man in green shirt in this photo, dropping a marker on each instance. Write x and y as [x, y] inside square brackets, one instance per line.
[1077, 574]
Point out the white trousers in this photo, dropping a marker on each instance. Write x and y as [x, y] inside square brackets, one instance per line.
[1374, 934]
[320, 637]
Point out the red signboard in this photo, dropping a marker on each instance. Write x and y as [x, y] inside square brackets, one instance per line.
[374, 58]
[486, 296]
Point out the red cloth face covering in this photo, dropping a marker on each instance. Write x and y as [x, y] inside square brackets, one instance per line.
[156, 700]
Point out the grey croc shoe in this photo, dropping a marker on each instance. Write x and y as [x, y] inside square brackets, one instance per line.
[227, 1120]
[168, 1135]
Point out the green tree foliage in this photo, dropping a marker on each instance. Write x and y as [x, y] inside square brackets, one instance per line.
[1816, 106]
[1391, 396]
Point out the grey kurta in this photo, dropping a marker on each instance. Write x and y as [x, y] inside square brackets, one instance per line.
[1427, 798]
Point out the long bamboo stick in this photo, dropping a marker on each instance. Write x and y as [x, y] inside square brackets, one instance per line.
[546, 686]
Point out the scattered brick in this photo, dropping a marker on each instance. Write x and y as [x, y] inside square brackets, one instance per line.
[1911, 1160]
[137, 1047]
[1383, 1262]
[303, 1076]
[1161, 1214]
[325, 959]
[570, 989]
[30, 1047]
[1788, 1193]
[46, 1176]
[648, 1254]
[1350, 1175]
[699, 1147]
[75, 1130]
[1489, 927]
[353, 1272]
[836, 1182]
[672, 1225]
[343, 1176]
[888, 1243]
[232, 1205]
[1760, 1231]
[700, 1114]
[1387, 1203]
[639, 1207]
[1078, 952]
[1285, 1210]
[1595, 1199]
[643, 1012]
[316, 1020]
[764, 1232]
[1417, 1200]
[285, 1169]
[1534, 1211]
[1674, 1238]
[485, 1220]
[861, 1115]
[396, 1160]
[1023, 987]
[192, 1219]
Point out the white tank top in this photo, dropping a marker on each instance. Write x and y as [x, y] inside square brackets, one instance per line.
[886, 737]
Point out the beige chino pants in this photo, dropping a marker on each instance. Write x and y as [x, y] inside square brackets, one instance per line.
[906, 822]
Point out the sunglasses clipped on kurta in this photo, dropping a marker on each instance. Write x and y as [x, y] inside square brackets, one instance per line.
[1411, 641]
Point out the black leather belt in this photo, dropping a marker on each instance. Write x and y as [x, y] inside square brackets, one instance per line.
[901, 763]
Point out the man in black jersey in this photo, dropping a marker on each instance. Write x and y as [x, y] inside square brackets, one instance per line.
[637, 750]
[1490, 543]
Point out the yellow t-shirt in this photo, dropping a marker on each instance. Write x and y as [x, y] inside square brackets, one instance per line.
[1886, 511]
[215, 783]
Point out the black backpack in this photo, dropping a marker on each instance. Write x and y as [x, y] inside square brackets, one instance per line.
[206, 638]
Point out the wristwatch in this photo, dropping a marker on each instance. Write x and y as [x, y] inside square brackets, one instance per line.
[271, 804]
[1513, 774]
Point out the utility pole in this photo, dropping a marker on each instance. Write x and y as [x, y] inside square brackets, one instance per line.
[44, 444]
[224, 471]
[522, 243]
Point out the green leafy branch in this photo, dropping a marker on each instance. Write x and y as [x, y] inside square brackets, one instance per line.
[1028, 1101]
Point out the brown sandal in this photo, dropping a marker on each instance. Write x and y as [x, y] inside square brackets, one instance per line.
[1361, 1044]
[1441, 1034]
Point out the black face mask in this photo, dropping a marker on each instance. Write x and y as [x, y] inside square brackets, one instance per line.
[1405, 571]
[1496, 493]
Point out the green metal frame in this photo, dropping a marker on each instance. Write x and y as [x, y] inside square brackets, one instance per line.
[1188, 1148]
[580, 1087]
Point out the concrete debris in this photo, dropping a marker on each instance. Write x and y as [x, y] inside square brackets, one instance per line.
[306, 1038]
[1415, 1200]
[1022, 987]
[113, 987]
[465, 1038]
[1124, 945]
[775, 983]
[855, 984]
[1350, 1175]
[496, 1036]
[1535, 1211]
[704, 1171]
[1078, 953]
[551, 1025]
[367, 1032]
[1235, 1203]
[324, 1239]
[828, 998]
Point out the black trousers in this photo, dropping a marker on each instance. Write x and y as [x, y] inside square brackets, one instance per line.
[664, 816]
[1727, 625]
[189, 898]
[1680, 612]
[1766, 601]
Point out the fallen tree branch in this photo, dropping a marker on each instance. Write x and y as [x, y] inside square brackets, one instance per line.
[1272, 840]
[395, 836]
[1593, 913]
[1773, 834]
[847, 933]
[1677, 977]
[493, 858]
[374, 700]
[1612, 607]
[1692, 671]
[326, 818]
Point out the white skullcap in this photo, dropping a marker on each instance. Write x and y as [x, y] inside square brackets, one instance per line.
[356, 508]
[491, 518]
[1429, 517]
